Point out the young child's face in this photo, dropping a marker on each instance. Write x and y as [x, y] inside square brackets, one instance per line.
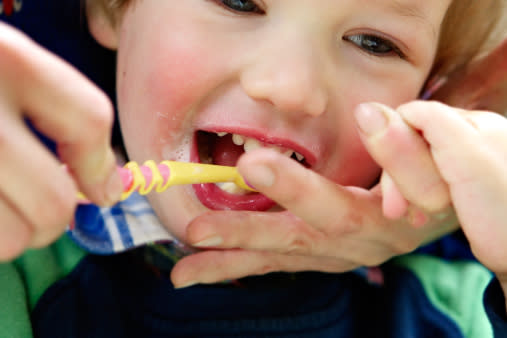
[287, 73]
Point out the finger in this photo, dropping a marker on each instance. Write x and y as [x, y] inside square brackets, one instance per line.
[279, 232]
[394, 205]
[214, 266]
[491, 128]
[284, 181]
[33, 183]
[455, 143]
[404, 154]
[65, 106]
[369, 243]
[15, 232]
[475, 169]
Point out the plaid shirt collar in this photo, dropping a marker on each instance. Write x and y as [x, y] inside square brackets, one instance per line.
[129, 224]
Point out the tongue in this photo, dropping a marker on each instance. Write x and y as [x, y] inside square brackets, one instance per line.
[226, 152]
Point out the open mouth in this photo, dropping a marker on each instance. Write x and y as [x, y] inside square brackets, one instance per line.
[225, 149]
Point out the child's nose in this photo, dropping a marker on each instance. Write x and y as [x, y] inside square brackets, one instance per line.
[291, 75]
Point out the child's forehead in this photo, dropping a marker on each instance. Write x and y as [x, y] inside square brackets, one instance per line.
[410, 8]
[428, 13]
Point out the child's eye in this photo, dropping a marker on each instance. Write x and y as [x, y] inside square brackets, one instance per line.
[243, 6]
[375, 45]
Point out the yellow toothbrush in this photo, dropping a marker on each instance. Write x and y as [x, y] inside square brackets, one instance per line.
[152, 176]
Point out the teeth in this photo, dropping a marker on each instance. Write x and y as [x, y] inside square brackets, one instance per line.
[231, 188]
[250, 144]
[238, 139]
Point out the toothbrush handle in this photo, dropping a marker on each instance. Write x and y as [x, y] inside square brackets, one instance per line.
[150, 176]
[193, 173]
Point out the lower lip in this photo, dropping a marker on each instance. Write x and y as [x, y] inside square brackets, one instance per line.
[214, 198]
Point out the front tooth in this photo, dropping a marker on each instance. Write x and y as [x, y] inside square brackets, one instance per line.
[299, 156]
[222, 133]
[238, 139]
[251, 144]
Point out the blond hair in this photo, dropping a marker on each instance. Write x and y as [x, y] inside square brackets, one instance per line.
[470, 29]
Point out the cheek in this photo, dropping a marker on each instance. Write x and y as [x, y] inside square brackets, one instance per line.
[160, 95]
[177, 79]
[353, 164]
[358, 168]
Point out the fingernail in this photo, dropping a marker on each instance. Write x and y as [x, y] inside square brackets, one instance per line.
[114, 188]
[210, 241]
[260, 176]
[370, 118]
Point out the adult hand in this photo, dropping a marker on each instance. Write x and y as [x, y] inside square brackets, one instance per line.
[37, 195]
[335, 228]
[485, 227]
[468, 149]
[328, 228]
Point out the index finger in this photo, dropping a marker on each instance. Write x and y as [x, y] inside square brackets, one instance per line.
[303, 192]
[64, 105]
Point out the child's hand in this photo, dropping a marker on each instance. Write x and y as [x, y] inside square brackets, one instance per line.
[468, 148]
[469, 151]
[37, 196]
